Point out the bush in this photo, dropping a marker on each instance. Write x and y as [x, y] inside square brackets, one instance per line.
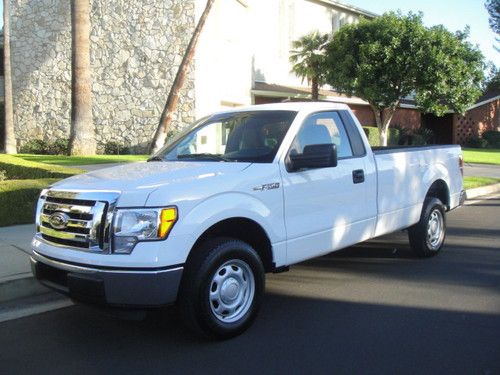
[115, 148]
[18, 169]
[18, 200]
[492, 137]
[372, 133]
[59, 147]
[38, 146]
[3, 175]
[34, 146]
[475, 142]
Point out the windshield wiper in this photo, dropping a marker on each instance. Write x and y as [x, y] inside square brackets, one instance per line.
[204, 156]
[155, 158]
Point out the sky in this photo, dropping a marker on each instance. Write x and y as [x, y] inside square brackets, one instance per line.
[453, 14]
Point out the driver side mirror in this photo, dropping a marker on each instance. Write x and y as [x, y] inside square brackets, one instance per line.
[314, 156]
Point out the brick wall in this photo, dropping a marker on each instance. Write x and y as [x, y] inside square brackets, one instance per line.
[476, 121]
[407, 118]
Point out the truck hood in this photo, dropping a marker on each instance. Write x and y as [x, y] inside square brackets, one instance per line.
[136, 181]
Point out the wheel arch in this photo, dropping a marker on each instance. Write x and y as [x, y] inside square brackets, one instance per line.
[244, 229]
[439, 189]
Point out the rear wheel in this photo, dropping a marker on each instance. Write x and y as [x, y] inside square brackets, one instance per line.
[222, 288]
[427, 236]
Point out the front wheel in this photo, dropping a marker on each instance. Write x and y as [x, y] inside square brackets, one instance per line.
[427, 236]
[222, 288]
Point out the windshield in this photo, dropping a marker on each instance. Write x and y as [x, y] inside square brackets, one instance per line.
[236, 137]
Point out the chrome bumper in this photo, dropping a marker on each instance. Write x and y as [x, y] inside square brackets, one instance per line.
[107, 285]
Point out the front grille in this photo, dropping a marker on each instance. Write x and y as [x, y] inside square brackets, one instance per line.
[76, 219]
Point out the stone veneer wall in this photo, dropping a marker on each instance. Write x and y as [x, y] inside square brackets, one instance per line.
[136, 47]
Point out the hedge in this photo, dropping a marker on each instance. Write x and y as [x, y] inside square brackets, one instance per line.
[20, 169]
[372, 133]
[18, 200]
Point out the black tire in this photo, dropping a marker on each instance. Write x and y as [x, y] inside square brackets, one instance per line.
[428, 235]
[218, 275]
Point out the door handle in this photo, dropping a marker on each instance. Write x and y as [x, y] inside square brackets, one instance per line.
[358, 176]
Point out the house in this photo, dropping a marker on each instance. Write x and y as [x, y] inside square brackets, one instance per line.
[136, 47]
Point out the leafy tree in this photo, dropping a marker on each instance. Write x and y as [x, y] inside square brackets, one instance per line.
[493, 8]
[307, 56]
[394, 56]
[82, 135]
[492, 81]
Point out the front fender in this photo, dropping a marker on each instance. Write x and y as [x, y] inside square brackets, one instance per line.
[229, 205]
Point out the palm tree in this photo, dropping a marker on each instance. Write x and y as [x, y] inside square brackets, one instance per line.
[173, 96]
[82, 137]
[307, 56]
[10, 138]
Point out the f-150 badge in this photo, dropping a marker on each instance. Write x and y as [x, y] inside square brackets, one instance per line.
[274, 185]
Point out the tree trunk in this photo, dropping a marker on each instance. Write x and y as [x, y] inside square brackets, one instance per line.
[173, 97]
[314, 88]
[82, 137]
[383, 120]
[10, 138]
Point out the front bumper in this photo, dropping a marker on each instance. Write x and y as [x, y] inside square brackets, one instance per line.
[108, 285]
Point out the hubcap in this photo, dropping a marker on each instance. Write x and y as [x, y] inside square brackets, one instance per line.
[435, 230]
[232, 290]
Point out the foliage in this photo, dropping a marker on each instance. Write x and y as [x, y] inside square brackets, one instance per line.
[3, 175]
[474, 182]
[39, 146]
[394, 56]
[307, 58]
[493, 138]
[482, 156]
[492, 81]
[372, 133]
[18, 169]
[83, 160]
[18, 199]
[116, 148]
[475, 142]
[493, 8]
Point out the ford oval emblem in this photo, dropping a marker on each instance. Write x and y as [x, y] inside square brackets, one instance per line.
[59, 220]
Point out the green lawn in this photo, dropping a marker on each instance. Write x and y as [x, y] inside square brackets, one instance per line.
[474, 182]
[82, 160]
[482, 156]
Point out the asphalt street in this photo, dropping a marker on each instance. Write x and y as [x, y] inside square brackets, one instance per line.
[369, 309]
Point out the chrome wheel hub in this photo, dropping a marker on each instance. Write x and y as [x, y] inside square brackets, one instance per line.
[435, 230]
[232, 290]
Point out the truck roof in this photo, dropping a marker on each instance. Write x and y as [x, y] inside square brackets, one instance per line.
[290, 106]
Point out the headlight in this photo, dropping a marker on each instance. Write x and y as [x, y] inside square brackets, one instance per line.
[144, 224]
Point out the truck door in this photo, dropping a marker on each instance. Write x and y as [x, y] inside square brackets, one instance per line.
[328, 208]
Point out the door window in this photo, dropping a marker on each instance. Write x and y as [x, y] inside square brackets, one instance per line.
[323, 128]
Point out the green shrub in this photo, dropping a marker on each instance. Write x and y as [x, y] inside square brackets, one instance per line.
[59, 147]
[35, 146]
[19, 169]
[18, 200]
[492, 137]
[475, 142]
[38, 146]
[372, 133]
[3, 175]
[116, 148]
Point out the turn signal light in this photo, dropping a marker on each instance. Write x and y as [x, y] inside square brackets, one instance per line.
[168, 217]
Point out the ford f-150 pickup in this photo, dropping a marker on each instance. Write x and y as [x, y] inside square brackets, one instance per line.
[238, 194]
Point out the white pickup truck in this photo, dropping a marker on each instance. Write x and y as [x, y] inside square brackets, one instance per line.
[238, 194]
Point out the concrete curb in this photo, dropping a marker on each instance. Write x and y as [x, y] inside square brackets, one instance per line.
[20, 286]
[483, 190]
